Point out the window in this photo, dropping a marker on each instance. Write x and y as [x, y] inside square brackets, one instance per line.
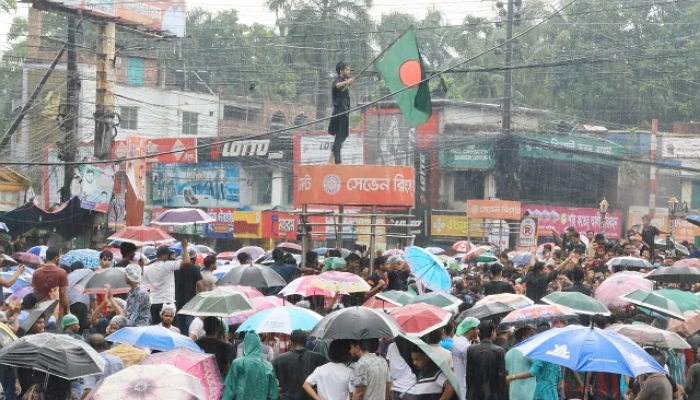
[263, 186]
[129, 118]
[695, 195]
[189, 123]
[233, 112]
[468, 185]
[134, 71]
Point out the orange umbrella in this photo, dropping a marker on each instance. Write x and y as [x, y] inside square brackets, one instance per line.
[379, 304]
[689, 327]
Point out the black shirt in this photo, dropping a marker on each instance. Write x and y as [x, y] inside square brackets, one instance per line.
[398, 281]
[536, 284]
[488, 380]
[649, 233]
[222, 351]
[186, 284]
[292, 368]
[578, 287]
[341, 97]
[497, 287]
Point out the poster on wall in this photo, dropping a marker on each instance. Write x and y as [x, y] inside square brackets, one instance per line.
[136, 168]
[196, 185]
[222, 227]
[389, 141]
[315, 148]
[97, 186]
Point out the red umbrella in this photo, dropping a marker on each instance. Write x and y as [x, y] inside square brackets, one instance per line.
[462, 246]
[226, 255]
[379, 304]
[28, 258]
[143, 236]
[289, 246]
[686, 262]
[420, 319]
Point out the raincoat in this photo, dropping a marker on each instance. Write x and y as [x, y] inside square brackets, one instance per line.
[250, 377]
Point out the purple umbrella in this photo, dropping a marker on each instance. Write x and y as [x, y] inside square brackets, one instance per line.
[28, 258]
[22, 292]
[183, 216]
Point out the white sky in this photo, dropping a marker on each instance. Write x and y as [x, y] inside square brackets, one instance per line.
[250, 11]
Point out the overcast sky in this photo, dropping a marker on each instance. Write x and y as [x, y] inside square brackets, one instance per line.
[256, 11]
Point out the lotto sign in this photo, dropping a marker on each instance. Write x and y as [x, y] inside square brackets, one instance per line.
[527, 236]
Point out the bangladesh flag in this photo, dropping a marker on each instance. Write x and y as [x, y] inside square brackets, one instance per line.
[401, 67]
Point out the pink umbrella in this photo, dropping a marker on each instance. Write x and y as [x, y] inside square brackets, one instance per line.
[254, 252]
[476, 251]
[688, 327]
[462, 246]
[302, 286]
[686, 262]
[21, 293]
[28, 258]
[200, 365]
[226, 255]
[619, 284]
[336, 281]
[259, 304]
[250, 292]
[289, 246]
[393, 252]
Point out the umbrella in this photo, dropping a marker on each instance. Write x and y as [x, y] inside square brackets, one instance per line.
[395, 297]
[249, 291]
[28, 258]
[254, 252]
[337, 281]
[89, 257]
[143, 236]
[619, 284]
[3, 227]
[219, 302]
[675, 274]
[685, 301]
[449, 262]
[129, 354]
[516, 301]
[356, 323]
[620, 263]
[443, 300]
[21, 293]
[183, 217]
[462, 246]
[321, 251]
[485, 310]
[44, 309]
[486, 257]
[114, 277]
[645, 335]
[259, 304]
[393, 252]
[654, 302]
[693, 219]
[39, 251]
[302, 287]
[281, 320]
[379, 304]
[477, 251]
[200, 365]
[289, 246]
[579, 302]
[581, 348]
[256, 276]
[538, 314]
[7, 260]
[149, 382]
[153, 337]
[435, 250]
[436, 357]
[670, 244]
[53, 354]
[686, 262]
[689, 327]
[226, 255]
[521, 259]
[420, 319]
[24, 280]
[428, 269]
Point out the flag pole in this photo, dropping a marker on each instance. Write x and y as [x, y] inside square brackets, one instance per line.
[380, 55]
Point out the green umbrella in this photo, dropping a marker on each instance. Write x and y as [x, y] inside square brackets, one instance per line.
[220, 302]
[442, 300]
[450, 262]
[486, 257]
[433, 355]
[579, 302]
[654, 302]
[395, 297]
[685, 301]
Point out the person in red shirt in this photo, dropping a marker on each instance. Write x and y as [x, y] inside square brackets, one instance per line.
[49, 276]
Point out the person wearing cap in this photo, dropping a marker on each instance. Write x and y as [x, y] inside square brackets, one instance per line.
[138, 304]
[467, 332]
[70, 325]
[161, 276]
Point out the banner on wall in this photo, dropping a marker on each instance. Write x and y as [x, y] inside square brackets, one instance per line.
[279, 225]
[552, 218]
[196, 185]
[97, 186]
[494, 209]
[222, 227]
[247, 225]
[136, 169]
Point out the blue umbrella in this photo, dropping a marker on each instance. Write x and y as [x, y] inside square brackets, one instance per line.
[581, 348]
[321, 251]
[24, 280]
[521, 259]
[153, 337]
[428, 269]
[39, 251]
[90, 258]
[177, 248]
[282, 319]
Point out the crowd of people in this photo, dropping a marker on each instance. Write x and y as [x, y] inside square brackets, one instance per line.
[479, 352]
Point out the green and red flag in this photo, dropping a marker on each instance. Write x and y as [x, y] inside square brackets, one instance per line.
[401, 66]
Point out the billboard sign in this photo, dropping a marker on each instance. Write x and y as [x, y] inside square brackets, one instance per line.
[97, 186]
[493, 209]
[247, 225]
[195, 185]
[279, 225]
[315, 148]
[389, 141]
[553, 218]
[165, 16]
[222, 227]
[254, 150]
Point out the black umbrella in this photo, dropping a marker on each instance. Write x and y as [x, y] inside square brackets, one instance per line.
[485, 311]
[45, 309]
[257, 276]
[95, 283]
[54, 354]
[675, 274]
[356, 323]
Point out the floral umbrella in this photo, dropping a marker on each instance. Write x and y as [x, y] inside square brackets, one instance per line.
[336, 281]
[89, 257]
[304, 288]
[200, 365]
[148, 382]
[516, 301]
[538, 314]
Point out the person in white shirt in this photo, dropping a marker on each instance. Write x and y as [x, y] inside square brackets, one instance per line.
[467, 333]
[401, 373]
[160, 275]
[332, 380]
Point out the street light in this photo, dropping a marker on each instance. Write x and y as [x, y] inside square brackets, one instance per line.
[603, 211]
[672, 209]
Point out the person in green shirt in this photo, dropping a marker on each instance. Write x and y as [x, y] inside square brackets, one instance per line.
[516, 363]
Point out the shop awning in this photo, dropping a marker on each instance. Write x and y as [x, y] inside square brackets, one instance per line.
[67, 220]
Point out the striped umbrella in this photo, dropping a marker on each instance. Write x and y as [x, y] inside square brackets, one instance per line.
[304, 288]
[538, 314]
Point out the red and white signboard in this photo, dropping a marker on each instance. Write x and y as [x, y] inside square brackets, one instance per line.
[527, 235]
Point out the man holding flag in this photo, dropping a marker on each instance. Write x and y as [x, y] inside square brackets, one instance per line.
[340, 122]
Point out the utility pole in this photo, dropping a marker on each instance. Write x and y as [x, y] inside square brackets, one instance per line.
[508, 77]
[68, 147]
[104, 110]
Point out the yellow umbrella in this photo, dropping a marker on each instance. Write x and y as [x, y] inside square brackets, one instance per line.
[129, 354]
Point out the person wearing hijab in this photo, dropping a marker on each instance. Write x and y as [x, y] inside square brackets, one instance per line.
[250, 377]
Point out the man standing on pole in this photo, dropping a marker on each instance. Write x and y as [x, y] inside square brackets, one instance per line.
[339, 124]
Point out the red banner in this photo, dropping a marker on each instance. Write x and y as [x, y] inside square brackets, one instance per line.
[355, 185]
[279, 225]
[582, 219]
